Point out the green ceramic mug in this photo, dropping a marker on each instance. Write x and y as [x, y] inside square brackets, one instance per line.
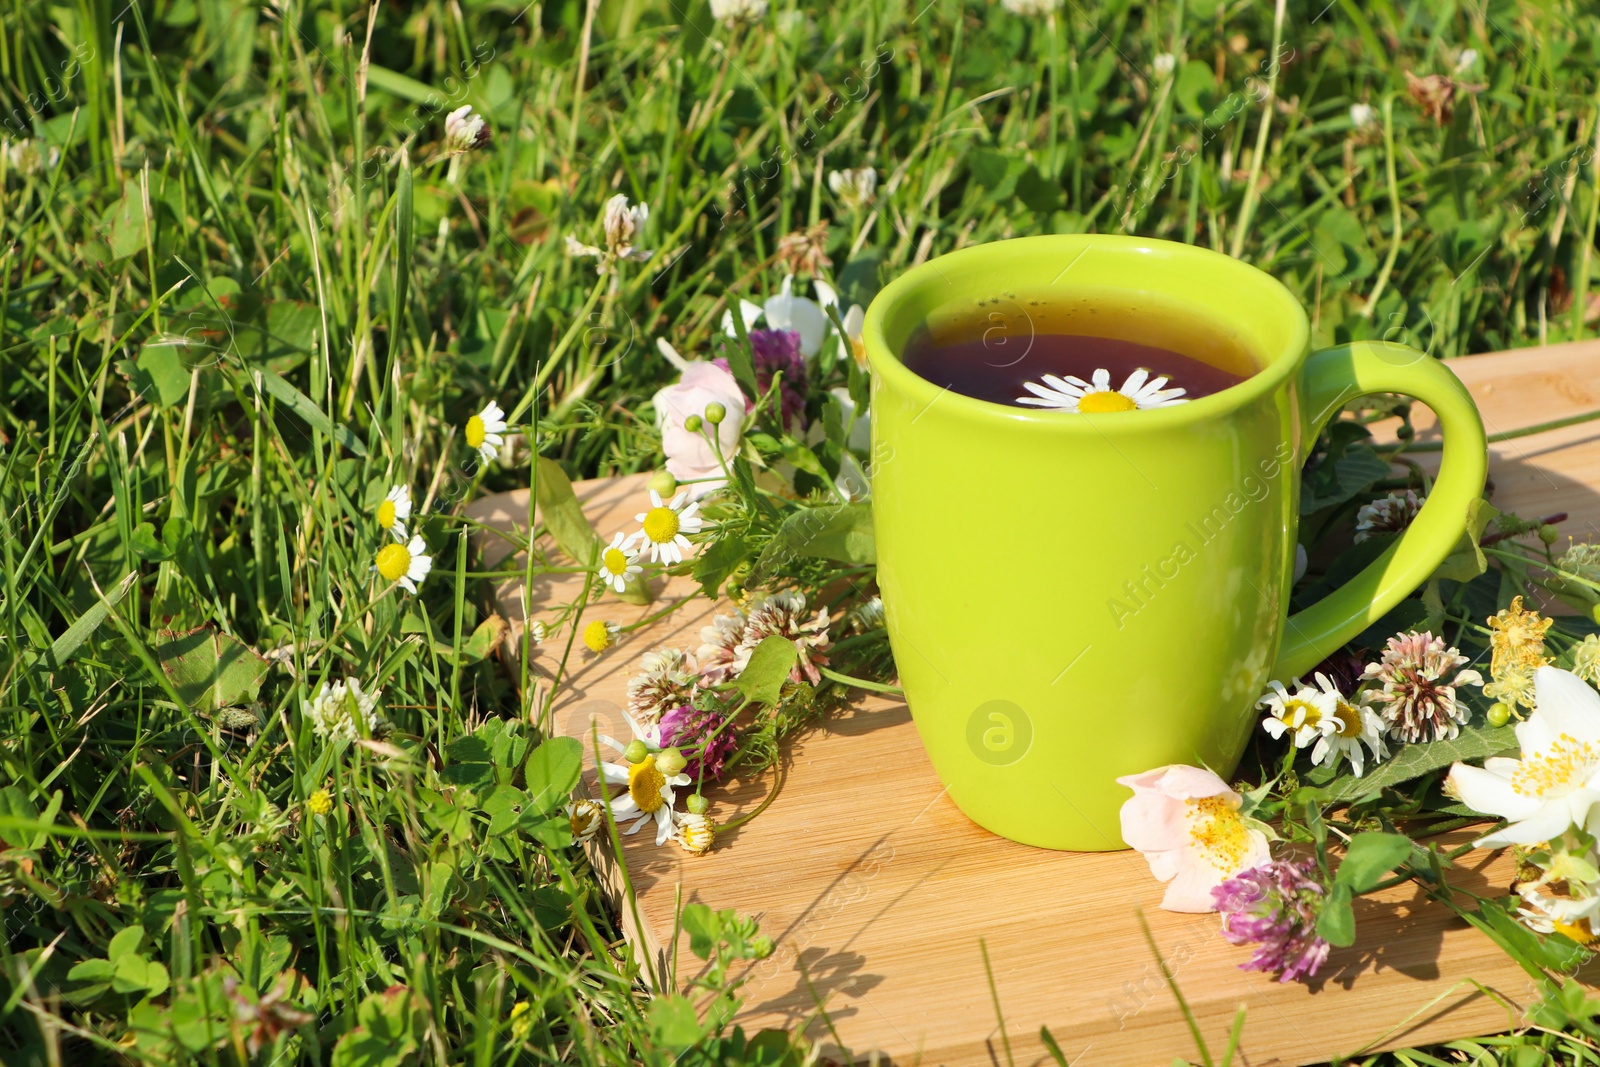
[1073, 597]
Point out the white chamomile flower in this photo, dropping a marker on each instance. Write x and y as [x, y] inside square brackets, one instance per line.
[484, 431]
[651, 790]
[1074, 394]
[1306, 714]
[394, 511]
[407, 563]
[1351, 726]
[694, 832]
[665, 525]
[617, 564]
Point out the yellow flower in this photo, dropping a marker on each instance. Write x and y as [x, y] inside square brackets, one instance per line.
[521, 1020]
[1586, 660]
[1514, 687]
[600, 636]
[320, 802]
[1517, 640]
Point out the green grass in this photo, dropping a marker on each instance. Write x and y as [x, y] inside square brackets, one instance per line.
[252, 295]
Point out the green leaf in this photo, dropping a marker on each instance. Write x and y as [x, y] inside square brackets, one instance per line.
[128, 221]
[1337, 923]
[1413, 761]
[673, 1022]
[126, 941]
[308, 411]
[162, 377]
[468, 775]
[1466, 561]
[552, 771]
[91, 971]
[1535, 953]
[841, 532]
[717, 560]
[146, 545]
[1369, 857]
[134, 973]
[210, 669]
[485, 639]
[704, 928]
[762, 679]
[63, 648]
[740, 364]
[562, 515]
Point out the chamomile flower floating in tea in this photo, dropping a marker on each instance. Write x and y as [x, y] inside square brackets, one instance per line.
[617, 564]
[394, 510]
[1072, 393]
[664, 526]
[484, 431]
[407, 563]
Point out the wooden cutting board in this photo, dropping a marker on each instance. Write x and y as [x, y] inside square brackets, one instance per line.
[882, 899]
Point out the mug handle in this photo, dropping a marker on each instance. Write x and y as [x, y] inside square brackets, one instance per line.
[1331, 378]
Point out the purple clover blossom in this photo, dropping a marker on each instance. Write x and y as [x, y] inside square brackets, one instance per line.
[1275, 906]
[688, 729]
[776, 353]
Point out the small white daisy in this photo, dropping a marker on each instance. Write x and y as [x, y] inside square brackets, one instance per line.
[665, 525]
[600, 635]
[617, 564]
[1352, 726]
[651, 791]
[394, 511]
[484, 431]
[1309, 713]
[694, 833]
[1074, 394]
[407, 564]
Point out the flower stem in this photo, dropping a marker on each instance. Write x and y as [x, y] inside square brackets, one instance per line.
[861, 683]
[1510, 435]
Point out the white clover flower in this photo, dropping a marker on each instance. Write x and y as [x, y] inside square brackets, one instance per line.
[1363, 116]
[738, 10]
[1466, 60]
[621, 225]
[857, 188]
[464, 131]
[1163, 63]
[1033, 8]
[342, 711]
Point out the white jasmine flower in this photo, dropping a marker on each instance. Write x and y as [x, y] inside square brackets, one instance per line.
[1556, 782]
[342, 711]
[664, 526]
[617, 566]
[484, 431]
[394, 510]
[1074, 394]
[407, 563]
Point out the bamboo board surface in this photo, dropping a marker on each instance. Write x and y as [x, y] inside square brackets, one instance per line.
[882, 898]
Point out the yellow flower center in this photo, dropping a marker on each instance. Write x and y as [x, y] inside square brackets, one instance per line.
[1217, 830]
[661, 525]
[580, 819]
[597, 636]
[320, 802]
[615, 561]
[644, 785]
[1579, 933]
[475, 431]
[386, 514]
[393, 562]
[1105, 400]
[1348, 718]
[1559, 770]
[1297, 712]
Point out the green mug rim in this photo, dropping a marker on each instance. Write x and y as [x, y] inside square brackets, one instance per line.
[887, 364]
